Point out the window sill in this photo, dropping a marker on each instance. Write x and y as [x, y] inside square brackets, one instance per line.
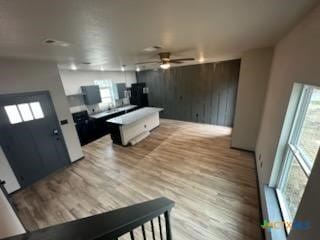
[274, 215]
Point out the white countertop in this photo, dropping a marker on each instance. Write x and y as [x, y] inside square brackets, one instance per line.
[134, 116]
[112, 111]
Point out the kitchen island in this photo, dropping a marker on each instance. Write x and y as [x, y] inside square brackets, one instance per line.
[94, 126]
[112, 111]
[133, 127]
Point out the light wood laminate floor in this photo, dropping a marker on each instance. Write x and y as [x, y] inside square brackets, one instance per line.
[214, 187]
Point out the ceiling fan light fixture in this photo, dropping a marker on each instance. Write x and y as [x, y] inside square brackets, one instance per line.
[165, 65]
[74, 67]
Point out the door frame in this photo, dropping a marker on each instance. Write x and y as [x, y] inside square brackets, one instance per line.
[10, 201]
[27, 94]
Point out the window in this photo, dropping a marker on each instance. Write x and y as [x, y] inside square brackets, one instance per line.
[36, 110]
[24, 112]
[302, 149]
[13, 114]
[105, 91]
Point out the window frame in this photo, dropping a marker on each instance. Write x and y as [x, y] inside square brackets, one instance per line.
[293, 149]
[106, 86]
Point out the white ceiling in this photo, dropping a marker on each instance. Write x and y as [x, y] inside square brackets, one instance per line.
[110, 33]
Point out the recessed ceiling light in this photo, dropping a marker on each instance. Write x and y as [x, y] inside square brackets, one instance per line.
[123, 68]
[201, 59]
[74, 67]
[138, 69]
[101, 68]
[57, 43]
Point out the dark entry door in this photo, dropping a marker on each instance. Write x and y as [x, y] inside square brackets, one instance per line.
[30, 136]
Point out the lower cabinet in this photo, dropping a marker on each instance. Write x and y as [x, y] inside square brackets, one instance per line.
[133, 130]
[87, 131]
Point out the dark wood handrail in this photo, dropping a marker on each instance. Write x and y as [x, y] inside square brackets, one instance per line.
[109, 225]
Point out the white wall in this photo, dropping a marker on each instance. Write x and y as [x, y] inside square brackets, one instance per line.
[252, 88]
[296, 59]
[10, 225]
[26, 76]
[73, 80]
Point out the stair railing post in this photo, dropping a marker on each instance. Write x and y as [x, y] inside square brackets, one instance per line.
[168, 225]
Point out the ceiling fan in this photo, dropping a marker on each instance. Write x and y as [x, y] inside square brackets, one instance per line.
[165, 60]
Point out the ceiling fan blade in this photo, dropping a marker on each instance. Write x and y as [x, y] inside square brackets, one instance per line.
[182, 59]
[140, 63]
[175, 62]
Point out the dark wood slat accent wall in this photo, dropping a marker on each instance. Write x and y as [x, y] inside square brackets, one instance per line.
[203, 93]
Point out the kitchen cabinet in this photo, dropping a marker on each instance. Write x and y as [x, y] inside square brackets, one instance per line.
[86, 127]
[121, 88]
[91, 94]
